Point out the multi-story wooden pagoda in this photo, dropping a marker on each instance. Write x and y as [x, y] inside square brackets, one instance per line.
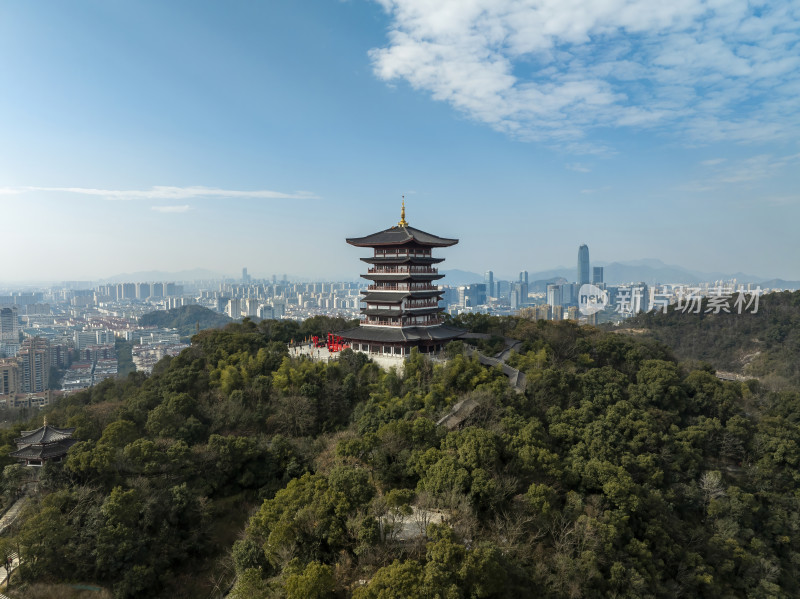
[402, 302]
[46, 443]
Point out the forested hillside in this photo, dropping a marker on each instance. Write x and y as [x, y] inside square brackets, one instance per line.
[187, 319]
[618, 473]
[764, 345]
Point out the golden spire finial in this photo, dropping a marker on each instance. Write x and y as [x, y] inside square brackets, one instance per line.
[403, 222]
[45, 420]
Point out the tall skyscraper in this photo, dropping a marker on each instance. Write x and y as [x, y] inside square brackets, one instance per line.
[523, 287]
[597, 274]
[488, 279]
[583, 264]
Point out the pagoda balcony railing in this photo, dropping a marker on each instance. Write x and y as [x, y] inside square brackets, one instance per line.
[402, 287]
[402, 253]
[414, 306]
[382, 322]
[404, 270]
[405, 322]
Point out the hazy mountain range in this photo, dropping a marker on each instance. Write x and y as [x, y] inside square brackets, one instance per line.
[648, 270]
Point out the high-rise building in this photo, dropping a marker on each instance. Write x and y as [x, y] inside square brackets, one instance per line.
[245, 276]
[9, 377]
[597, 275]
[9, 325]
[157, 290]
[402, 302]
[35, 364]
[515, 298]
[126, 291]
[583, 264]
[234, 308]
[488, 279]
[554, 295]
[142, 290]
[83, 339]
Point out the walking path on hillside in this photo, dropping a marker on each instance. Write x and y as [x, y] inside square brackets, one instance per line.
[4, 573]
[12, 513]
[516, 379]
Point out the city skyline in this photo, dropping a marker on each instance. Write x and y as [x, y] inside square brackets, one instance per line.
[190, 135]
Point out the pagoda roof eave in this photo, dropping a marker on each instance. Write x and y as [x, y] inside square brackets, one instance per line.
[411, 335]
[402, 276]
[405, 260]
[398, 235]
[391, 297]
[396, 313]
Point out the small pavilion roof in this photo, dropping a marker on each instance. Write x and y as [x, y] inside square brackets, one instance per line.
[44, 434]
[43, 452]
[401, 235]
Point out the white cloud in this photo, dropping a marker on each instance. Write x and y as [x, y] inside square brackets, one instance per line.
[172, 209]
[553, 69]
[166, 193]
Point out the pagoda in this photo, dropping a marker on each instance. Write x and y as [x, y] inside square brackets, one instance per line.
[401, 308]
[46, 443]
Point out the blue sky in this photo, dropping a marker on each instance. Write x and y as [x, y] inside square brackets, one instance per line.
[175, 135]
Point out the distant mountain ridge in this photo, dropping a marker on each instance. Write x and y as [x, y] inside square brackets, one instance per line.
[195, 274]
[652, 271]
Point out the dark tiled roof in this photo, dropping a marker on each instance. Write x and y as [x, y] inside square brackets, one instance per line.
[387, 313]
[43, 452]
[401, 235]
[400, 335]
[44, 434]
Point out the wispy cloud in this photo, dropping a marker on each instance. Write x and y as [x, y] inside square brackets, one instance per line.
[578, 167]
[166, 193]
[598, 190]
[172, 209]
[705, 70]
[761, 167]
